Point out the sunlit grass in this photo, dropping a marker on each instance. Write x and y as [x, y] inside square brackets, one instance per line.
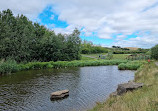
[95, 55]
[59, 64]
[87, 58]
[131, 65]
[120, 56]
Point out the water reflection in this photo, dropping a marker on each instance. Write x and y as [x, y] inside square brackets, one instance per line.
[30, 90]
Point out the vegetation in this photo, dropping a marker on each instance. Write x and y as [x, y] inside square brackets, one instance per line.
[12, 66]
[154, 52]
[89, 48]
[119, 50]
[120, 56]
[132, 65]
[84, 57]
[143, 99]
[94, 56]
[8, 66]
[128, 51]
[22, 40]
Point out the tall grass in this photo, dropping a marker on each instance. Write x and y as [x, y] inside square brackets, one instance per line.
[12, 66]
[8, 66]
[143, 99]
[132, 65]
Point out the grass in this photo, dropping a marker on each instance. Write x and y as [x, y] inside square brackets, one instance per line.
[9, 67]
[86, 58]
[143, 99]
[132, 65]
[115, 56]
[120, 56]
[94, 55]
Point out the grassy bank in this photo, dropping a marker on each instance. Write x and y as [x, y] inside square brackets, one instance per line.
[11, 66]
[131, 65]
[144, 99]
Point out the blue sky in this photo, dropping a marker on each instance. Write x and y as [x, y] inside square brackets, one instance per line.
[51, 20]
[104, 22]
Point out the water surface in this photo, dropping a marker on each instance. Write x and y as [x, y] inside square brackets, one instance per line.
[30, 90]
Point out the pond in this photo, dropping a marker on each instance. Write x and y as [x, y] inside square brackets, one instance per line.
[30, 90]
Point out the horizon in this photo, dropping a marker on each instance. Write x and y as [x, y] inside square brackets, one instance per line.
[105, 22]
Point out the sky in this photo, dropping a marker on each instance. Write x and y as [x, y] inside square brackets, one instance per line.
[125, 23]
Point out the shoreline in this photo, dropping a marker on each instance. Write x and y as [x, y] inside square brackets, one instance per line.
[139, 99]
[12, 67]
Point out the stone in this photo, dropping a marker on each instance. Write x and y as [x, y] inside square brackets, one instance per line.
[59, 94]
[122, 88]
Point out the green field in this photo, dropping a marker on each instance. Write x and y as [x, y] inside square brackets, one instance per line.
[120, 56]
[94, 55]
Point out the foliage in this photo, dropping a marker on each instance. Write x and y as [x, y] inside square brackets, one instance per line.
[110, 55]
[154, 52]
[89, 48]
[132, 65]
[8, 66]
[12, 66]
[119, 50]
[129, 51]
[24, 40]
[120, 56]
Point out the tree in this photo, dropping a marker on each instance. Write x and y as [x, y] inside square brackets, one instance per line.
[73, 45]
[26, 41]
[154, 52]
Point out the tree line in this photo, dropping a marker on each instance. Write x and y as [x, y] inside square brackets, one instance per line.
[89, 48]
[23, 40]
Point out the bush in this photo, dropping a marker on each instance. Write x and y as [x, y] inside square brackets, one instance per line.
[8, 66]
[35, 65]
[132, 65]
[154, 52]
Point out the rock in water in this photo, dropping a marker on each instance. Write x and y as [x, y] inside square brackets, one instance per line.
[122, 88]
[59, 94]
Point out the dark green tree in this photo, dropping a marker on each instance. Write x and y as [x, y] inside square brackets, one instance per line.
[154, 52]
[22, 40]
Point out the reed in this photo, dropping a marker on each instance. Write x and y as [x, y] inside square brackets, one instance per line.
[12, 66]
[132, 65]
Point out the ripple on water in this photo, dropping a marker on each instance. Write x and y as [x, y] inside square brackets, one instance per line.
[30, 90]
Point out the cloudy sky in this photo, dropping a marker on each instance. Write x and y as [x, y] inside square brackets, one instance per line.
[127, 23]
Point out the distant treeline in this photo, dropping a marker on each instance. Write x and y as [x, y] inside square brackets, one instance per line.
[119, 50]
[23, 40]
[89, 48]
[129, 51]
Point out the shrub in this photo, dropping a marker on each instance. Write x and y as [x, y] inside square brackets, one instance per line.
[35, 65]
[154, 52]
[132, 65]
[8, 66]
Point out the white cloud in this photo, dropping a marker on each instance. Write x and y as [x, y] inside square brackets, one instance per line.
[120, 37]
[52, 17]
[102, 16]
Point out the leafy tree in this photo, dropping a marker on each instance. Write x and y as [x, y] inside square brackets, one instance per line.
[23, 40]
[154, 52]
[88, 48]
